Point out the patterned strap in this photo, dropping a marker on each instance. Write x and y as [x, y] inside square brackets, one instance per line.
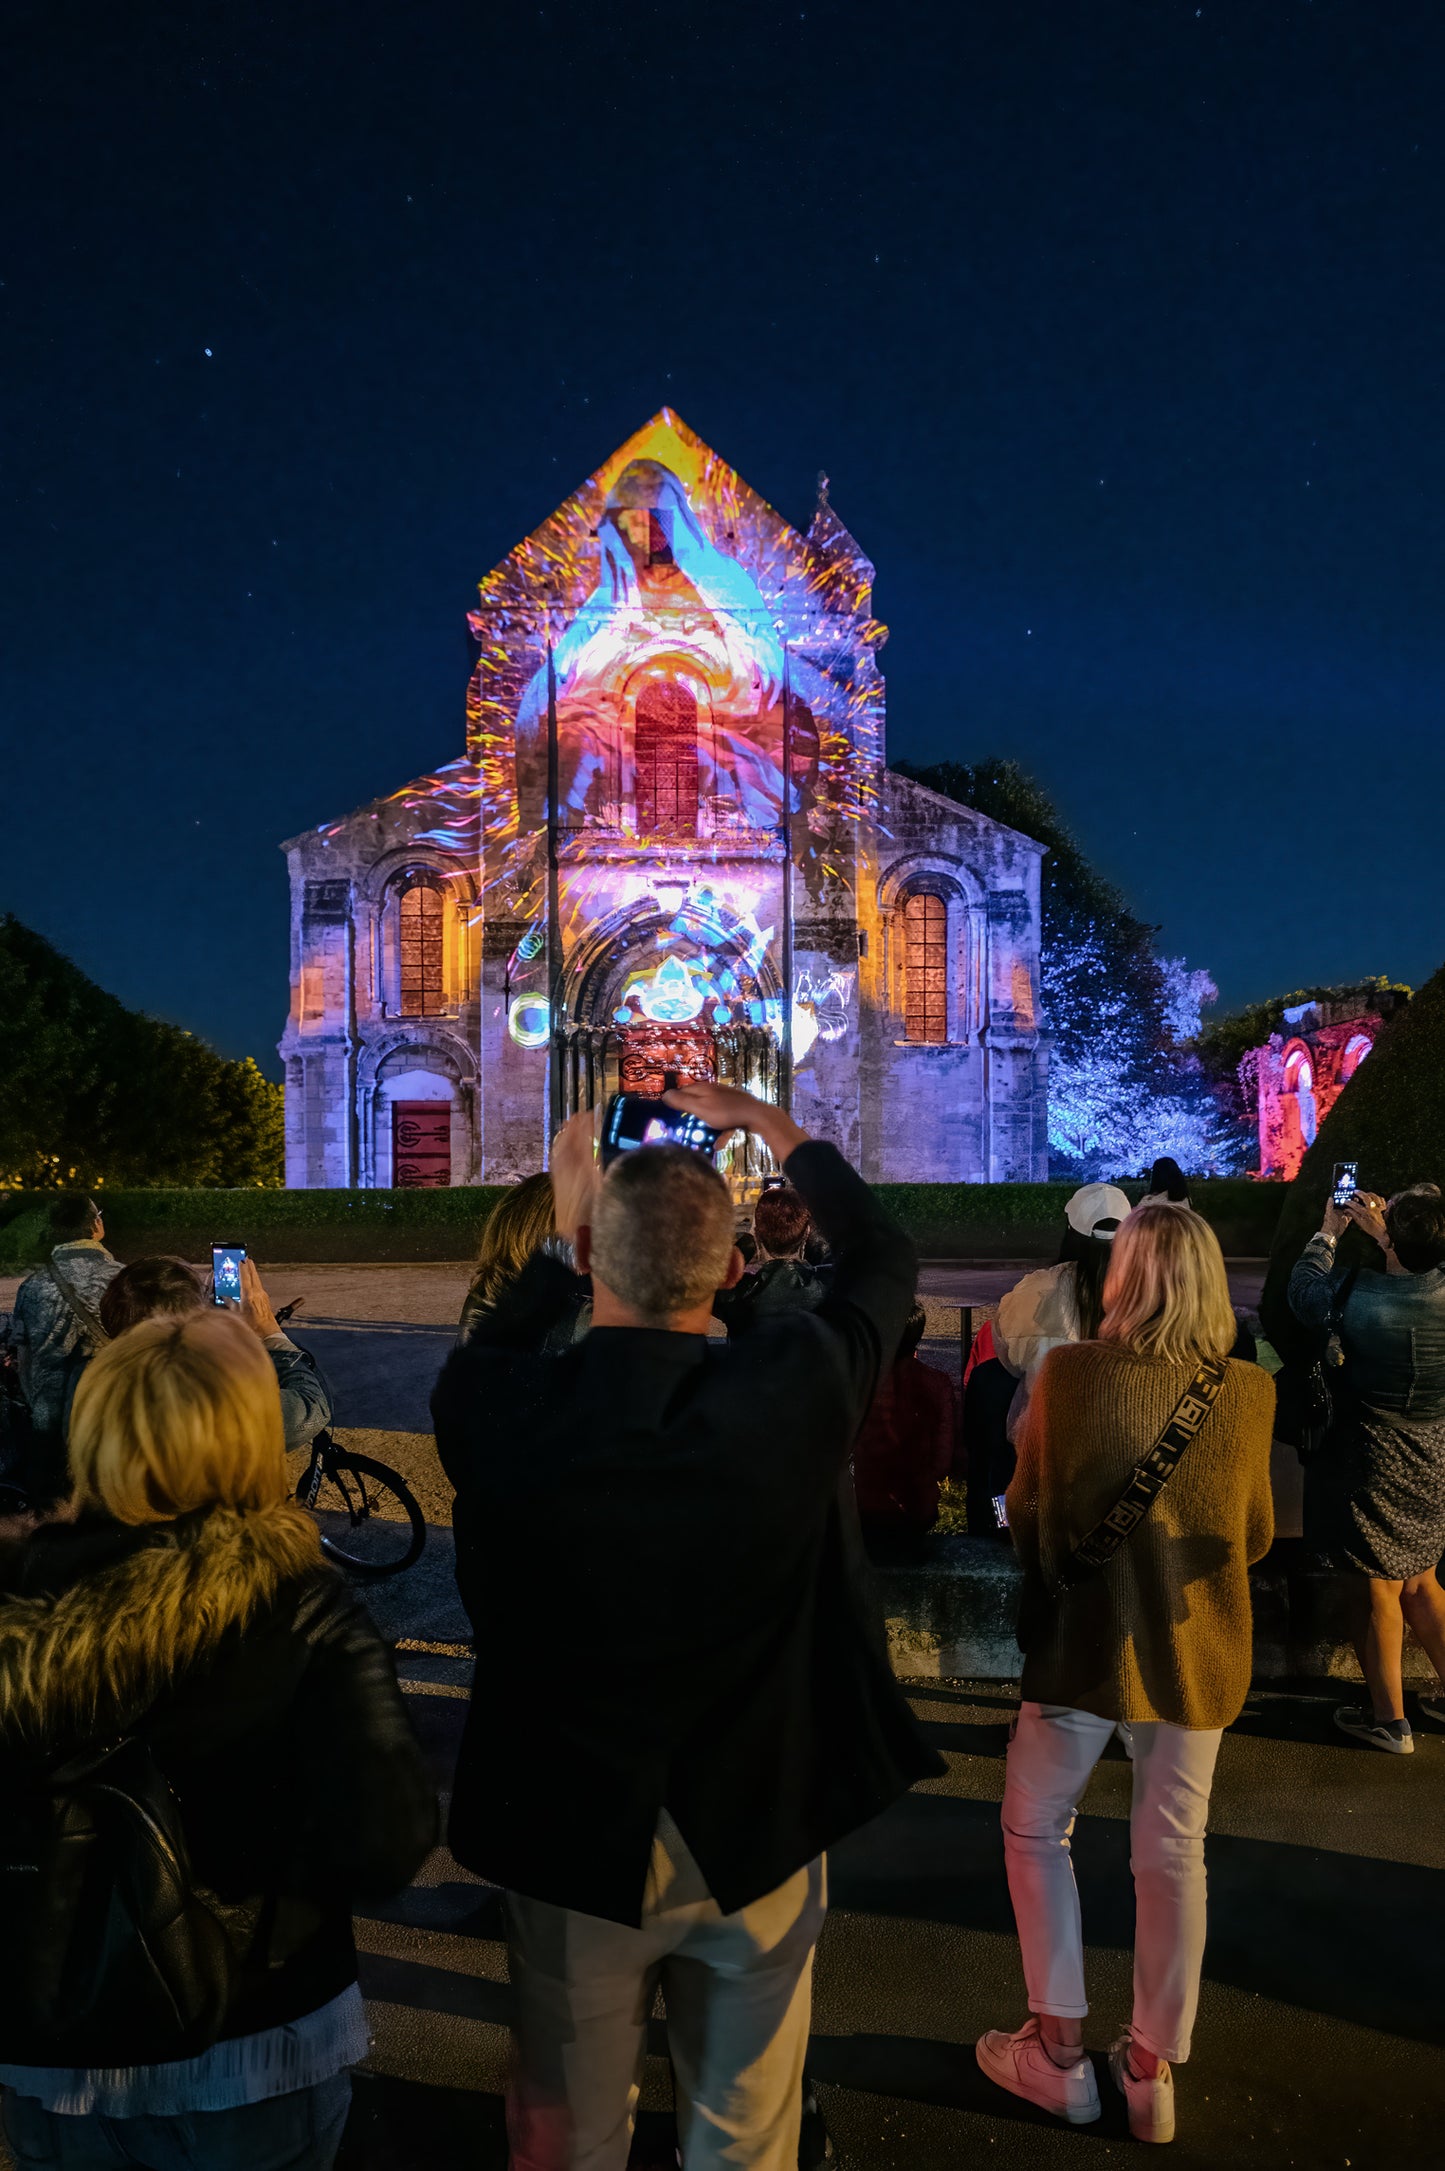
[1151, 1474]
[79, 1310]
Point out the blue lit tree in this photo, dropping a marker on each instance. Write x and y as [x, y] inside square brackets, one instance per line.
[1124, 1085]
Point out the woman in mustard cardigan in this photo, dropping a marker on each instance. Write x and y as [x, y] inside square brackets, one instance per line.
[1159, 1637]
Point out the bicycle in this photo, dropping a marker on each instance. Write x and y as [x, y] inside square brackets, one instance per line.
[373, 1527]
[378, 1529]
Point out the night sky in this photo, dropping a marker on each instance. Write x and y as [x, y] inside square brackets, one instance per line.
[1118, 328]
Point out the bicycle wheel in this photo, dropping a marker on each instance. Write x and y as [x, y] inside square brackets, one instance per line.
[369, 1522]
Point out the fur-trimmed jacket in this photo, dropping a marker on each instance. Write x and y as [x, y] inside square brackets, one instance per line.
[269, 1701]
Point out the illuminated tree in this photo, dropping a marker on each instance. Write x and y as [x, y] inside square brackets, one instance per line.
[1124, 1085]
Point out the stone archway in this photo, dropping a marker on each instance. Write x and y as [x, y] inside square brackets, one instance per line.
[654, 989]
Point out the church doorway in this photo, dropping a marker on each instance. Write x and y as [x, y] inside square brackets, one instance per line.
[421, 1145]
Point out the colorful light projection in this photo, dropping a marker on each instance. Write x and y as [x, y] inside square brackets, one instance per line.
[529, 1020]
[666, 571]
[696, 642]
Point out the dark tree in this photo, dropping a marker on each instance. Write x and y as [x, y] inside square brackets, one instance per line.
[96, 1094]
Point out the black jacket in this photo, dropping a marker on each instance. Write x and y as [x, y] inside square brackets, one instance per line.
[778, 1285]
[649, 1546]
[270, 1704]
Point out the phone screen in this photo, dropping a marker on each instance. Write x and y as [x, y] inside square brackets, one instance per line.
[635, 1119]
[1000, 1510]
[226, 1272]
[1347, 1181]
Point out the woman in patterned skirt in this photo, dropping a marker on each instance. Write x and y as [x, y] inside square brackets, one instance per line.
[1383, 1463]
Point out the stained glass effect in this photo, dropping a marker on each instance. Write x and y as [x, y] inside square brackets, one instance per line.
[422, 989]
[925, 967]
[665, 753]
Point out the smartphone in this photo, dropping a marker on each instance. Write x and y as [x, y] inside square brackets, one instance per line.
[1000, 1510]
[1347, 1181]
[636, 1119]
[226, 1272]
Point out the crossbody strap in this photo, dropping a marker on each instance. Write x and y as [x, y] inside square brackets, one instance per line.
[1151, 1474]
[79, 1310]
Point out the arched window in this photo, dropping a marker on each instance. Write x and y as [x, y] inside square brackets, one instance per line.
[423, 976]
[1299, 1079]
[925, 966]
[665, 757]
[1357, 1047]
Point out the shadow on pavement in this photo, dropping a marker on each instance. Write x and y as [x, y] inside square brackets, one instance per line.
[948, 2075]
[1328, 1933]
[396, 2124]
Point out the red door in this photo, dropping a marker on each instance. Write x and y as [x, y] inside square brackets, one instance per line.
[421, 1145]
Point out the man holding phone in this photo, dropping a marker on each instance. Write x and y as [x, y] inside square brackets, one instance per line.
[657, 1514]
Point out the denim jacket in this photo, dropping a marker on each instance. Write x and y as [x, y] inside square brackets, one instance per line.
[51, 1347]
[1392, 1332]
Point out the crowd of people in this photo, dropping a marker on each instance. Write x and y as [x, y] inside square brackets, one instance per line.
[205, 1760]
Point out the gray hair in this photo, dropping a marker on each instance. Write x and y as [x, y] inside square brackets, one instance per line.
[662, 1230]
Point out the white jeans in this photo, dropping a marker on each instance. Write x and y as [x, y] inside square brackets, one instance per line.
[738, 1990]
[1050, 1758]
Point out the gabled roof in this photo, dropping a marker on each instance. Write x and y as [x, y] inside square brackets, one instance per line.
[550, 558]
[958, 809]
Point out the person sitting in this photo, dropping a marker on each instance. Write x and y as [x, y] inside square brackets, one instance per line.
[679, 1496]
[56, 1333]
[1151, 1626]
[1375, 1494]
[780, 1278]
[187, 1609]
[166, 1288]
[558, 1304]
[1166, 1184]
[908, 1445]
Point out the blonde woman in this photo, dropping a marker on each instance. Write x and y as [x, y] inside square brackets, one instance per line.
[553, 1307]
[186, 1611]
[1158, 1636]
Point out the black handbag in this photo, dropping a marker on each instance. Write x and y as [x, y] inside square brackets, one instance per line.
[1305, 1393]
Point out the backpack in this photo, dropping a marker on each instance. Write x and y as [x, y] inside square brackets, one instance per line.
[113, 1956]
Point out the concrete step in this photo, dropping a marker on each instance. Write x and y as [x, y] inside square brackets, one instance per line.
[952, 1613]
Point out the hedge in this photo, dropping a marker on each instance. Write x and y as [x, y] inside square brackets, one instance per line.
[948, 1221]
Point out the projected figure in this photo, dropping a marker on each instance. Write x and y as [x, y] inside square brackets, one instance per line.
[674, 644]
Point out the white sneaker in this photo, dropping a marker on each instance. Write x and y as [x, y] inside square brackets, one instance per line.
[1021, 2064]
[1391, 1735]
[1151, 2103]
[1433, 1706]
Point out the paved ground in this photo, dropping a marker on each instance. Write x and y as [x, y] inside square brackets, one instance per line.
[1323, 2005]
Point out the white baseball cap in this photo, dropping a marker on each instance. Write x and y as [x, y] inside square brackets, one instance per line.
[1097, 1210]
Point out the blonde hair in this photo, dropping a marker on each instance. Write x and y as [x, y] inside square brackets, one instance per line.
[178, 1414]
[519, 1224]
[1166, 1294]
[662, 1230]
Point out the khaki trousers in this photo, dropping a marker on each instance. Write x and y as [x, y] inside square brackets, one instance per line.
[738, 1990]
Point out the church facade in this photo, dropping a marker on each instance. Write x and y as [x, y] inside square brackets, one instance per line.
[672, 844]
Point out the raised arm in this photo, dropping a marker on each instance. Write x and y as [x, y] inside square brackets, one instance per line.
[875, 1267]
[1311, 1289]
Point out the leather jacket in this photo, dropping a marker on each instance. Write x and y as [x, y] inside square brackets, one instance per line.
[270, 1704]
